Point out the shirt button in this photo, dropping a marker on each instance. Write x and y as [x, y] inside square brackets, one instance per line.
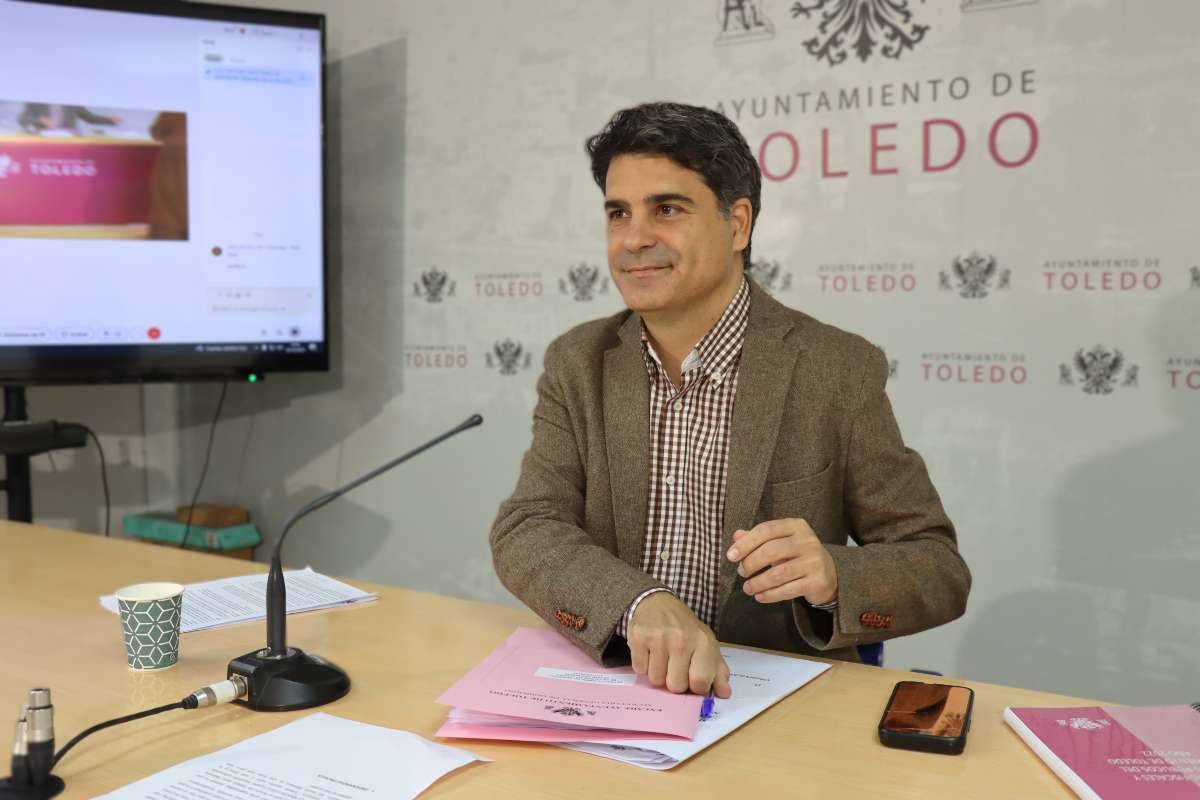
[669, 480]
[717, 376]
[677, 405]
[664, 554]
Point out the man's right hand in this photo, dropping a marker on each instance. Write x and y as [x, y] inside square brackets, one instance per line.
[672, 647]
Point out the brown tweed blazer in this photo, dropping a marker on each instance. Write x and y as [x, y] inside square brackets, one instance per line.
[813, 436]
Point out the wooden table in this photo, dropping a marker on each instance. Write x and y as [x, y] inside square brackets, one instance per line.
[401, 652]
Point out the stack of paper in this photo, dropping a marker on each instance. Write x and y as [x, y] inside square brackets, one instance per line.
[318, 756]
[543, 688]
[228, 601]
[538, 687]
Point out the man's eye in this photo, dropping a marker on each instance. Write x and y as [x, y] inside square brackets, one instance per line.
[668, 211]
[616, 213]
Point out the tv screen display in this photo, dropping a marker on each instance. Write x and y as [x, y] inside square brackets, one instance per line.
[162, 210]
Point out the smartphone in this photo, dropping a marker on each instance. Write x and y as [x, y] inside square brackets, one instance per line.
[932, 717]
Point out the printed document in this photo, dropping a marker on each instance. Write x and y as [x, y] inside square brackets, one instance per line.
[228, 601]
[758, 681]
[538, 687]
[537, 675]
[319, 757]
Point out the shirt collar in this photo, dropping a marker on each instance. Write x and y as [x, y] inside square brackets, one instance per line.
[717, 349]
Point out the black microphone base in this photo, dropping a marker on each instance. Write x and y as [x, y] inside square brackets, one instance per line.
[297, 680]
[24, 791]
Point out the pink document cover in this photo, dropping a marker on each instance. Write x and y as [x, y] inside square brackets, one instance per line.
[506, 682]
[458, 730]
[1117, 752]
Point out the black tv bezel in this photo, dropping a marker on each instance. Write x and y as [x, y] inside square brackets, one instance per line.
[141, 363]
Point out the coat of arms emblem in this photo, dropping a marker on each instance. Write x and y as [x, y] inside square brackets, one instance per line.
[1083, 723]
[8, 166]
[973, 275]
[434, 285]
[583, 282]
[509, 357]
[1099, 370]
[893, 365]
[861, 26]
[770, 276]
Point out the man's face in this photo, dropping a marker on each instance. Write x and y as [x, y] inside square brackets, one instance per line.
[670, 249]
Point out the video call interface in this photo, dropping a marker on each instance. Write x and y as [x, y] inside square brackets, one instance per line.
[160, 181]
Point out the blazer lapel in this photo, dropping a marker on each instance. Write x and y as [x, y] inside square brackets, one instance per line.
[627, 435]
[764, 380]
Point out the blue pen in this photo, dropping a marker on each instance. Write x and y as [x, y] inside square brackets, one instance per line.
[706, 708]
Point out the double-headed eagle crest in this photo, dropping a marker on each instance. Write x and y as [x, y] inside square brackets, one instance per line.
[509, 356]
[1099, 370]
[770, 276]
[585, 282]
[974, 275]
[434, 285]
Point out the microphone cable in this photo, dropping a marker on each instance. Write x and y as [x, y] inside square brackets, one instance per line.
[119, 720]
[210, 695]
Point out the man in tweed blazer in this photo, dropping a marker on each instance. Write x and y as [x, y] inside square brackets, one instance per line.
[795, 432]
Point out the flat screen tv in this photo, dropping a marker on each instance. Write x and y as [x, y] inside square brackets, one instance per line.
[162, 192]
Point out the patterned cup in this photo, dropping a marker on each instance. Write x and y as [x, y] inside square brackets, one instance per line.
[150, 623]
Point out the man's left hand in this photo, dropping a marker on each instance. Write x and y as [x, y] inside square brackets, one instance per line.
[796, 564]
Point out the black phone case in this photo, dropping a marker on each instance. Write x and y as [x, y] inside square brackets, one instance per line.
[946, 745]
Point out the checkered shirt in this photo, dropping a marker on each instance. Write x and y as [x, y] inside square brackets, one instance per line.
[689, 454]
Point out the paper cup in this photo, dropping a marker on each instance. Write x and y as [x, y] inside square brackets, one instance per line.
[150, 624]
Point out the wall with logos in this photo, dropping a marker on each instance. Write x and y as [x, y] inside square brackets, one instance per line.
[997, 192]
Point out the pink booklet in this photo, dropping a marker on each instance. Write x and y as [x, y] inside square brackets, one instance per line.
[539, 677]
[1117, 752]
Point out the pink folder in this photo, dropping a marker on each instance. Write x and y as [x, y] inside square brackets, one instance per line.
[1117, 752]
[457, 730]
[537, 675]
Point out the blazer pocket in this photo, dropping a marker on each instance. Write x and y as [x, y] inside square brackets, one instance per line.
[801, 497]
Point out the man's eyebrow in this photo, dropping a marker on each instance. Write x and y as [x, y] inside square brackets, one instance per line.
[669, 197]
[652, 199]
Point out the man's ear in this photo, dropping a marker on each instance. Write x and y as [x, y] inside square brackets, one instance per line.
[741, 216]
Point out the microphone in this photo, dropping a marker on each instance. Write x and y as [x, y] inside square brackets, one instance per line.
[39, 735]
[33, 752]
[282, 678]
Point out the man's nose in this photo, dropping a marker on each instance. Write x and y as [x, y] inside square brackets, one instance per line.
[639, 234]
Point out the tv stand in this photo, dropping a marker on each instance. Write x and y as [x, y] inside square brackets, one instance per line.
[20, 440]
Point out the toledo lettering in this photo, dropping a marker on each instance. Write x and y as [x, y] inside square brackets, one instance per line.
[436, 357]
[1184, 373]
[874, 278]
[509, 285]
[1112, 275]
[990, 369]
[936, 144]
[63, 167]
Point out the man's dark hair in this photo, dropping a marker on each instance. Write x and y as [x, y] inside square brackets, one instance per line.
[695, 138]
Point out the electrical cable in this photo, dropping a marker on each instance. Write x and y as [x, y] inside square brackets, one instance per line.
[204, 471]
[184, 703]
[103, 467]
[103, 478]
[213, 694]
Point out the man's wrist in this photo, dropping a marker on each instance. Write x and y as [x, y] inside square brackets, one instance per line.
[627, 617]
[831, 606]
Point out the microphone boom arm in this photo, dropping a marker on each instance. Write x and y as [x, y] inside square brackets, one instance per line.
[282, 678]
[276, 590]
